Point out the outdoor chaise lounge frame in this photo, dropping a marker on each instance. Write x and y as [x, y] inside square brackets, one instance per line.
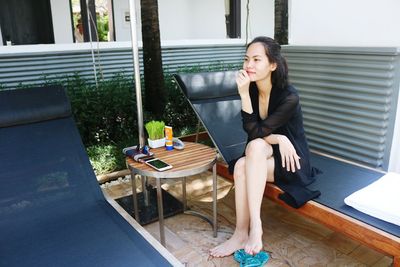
[52, 210]
[214, 98]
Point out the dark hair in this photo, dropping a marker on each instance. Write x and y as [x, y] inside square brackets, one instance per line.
[279, 77]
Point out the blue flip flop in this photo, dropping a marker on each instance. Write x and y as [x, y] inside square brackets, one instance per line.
[247, 260]
[240, 255]
[262, 257]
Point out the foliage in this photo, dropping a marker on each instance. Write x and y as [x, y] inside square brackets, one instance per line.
[102, 158]
[106, 114]
[106, 158]
[102, 27]
[155, 129]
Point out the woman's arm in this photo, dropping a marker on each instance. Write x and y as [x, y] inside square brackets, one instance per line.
[289, 157]
[243, 83]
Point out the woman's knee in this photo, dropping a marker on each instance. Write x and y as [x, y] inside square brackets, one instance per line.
[239, 170]
[258, 146]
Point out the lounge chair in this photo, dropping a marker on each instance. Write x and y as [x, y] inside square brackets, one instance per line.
[214, 98]
[52, 210]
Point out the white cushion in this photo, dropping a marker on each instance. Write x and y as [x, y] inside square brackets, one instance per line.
[381, 199]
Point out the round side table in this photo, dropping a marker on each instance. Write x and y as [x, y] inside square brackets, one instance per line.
[194, 159]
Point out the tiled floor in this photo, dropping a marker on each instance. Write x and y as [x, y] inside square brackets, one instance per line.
[292, 240]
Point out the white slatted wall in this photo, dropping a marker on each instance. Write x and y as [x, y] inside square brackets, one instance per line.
[348, 98]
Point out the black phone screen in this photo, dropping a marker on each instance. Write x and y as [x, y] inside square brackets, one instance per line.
[158, 163]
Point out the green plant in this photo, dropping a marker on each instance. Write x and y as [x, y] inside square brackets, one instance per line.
[155, 129]
[106, 114]
[102, 158]
[102, 27]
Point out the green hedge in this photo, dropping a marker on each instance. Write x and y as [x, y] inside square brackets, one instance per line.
[106, 114]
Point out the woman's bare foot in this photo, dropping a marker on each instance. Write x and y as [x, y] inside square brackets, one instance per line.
[254, 243]
[237, 241]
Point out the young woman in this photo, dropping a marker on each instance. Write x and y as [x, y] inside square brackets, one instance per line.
[276, 150]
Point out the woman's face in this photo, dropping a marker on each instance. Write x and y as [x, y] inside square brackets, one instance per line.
[256, 63]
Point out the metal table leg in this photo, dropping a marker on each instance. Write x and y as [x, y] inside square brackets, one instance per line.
[160, 211]
[212, 221]
[215, 199]
[145, 191]
[134, 196]
[184, 201]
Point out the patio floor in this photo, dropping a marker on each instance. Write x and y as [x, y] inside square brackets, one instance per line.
[292, 240]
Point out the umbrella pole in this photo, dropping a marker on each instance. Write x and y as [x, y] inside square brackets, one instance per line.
[135, 55]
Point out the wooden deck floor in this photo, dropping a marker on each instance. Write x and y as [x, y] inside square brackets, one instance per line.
[292, 240]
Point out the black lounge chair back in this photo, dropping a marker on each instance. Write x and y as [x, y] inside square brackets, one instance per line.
[214, 98]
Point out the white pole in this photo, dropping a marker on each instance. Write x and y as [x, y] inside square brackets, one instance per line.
[135, 55]
[89, 14]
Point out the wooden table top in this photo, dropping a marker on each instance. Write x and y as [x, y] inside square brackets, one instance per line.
[195, 158]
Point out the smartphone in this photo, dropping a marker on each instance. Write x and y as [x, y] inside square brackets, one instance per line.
[158, 164]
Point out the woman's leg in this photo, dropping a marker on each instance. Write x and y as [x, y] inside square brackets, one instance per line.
[240, 236]
[258, 168]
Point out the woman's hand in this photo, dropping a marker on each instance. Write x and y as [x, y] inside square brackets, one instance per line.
[290, 159]
[243, 83]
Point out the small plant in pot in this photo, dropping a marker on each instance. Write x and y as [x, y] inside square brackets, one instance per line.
[155, 129]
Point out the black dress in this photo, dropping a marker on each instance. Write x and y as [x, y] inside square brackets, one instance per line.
[284, 117]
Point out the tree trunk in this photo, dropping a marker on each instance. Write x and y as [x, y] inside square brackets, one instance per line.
[155, 94]
[281, 21]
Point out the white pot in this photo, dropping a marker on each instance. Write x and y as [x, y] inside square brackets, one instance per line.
[156, 143]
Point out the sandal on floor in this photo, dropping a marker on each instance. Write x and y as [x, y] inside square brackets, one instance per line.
[240, 256]
[250, 262]
[263, 257]
[247, 260]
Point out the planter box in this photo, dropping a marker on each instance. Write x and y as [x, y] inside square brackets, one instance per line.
[156, 143]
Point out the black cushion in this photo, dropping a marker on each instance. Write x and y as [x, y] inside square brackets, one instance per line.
[23, 106]
[341, 179]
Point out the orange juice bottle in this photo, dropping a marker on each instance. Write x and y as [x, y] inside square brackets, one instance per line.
[168, 138]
